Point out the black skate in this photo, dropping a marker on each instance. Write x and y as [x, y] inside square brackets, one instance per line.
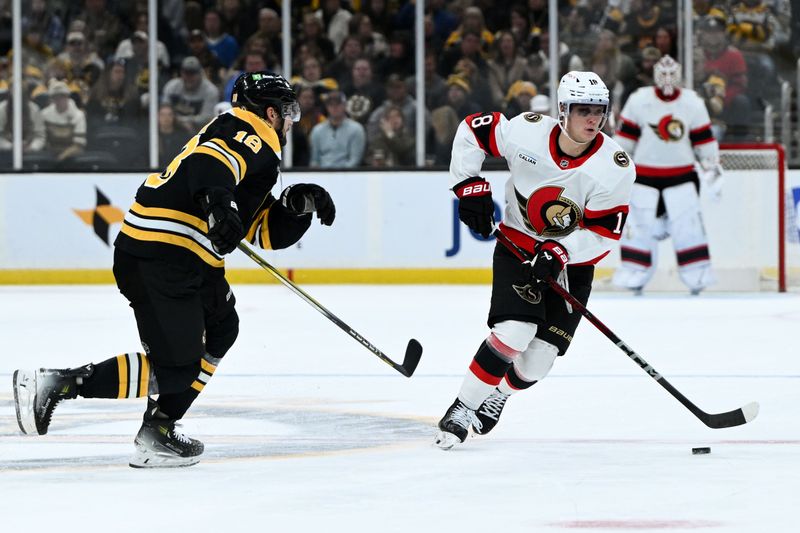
[37, 392]
[489, 412]
[454, 425]
[160, 445]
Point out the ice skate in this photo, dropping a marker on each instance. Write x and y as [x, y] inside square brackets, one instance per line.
[37, 392]
[160, 445]
[488, 414]
[454, 425]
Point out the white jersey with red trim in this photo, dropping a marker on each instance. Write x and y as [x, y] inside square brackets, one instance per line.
[581, 202]
[665, 135]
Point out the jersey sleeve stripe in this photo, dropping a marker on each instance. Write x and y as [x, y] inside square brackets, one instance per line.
[607, 223]
[629, 130]
[160, 212]
[222, 146]
[221, 157]
[259, 230]
[701, 135]
[171, 226]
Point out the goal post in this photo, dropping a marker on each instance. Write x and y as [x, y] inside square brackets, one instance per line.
[766, 162]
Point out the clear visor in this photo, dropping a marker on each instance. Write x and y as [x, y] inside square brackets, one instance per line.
[291, 111]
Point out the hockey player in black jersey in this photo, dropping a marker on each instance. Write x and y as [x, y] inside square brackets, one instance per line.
[168, 263]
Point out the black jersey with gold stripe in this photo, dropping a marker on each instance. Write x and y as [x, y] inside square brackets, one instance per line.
[236, 151]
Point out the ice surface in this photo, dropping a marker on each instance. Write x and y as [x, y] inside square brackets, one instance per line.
[305, 430]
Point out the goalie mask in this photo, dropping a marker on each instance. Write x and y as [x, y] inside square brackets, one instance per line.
[581, 88]
[667, 75]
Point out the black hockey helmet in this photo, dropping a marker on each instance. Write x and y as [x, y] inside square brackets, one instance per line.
[256, 91]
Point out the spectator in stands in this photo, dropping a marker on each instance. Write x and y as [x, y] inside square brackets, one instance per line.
[310, 115]
[445, 119]
[711, 88]
[400, 61]
[340, 69]
[126, 46]
[382, 19]
[34, 51]
[113, 101]
[253, 62]
[506, 67]
[102, 27]
[665, 42]
[137, 66]
[336, 19]
[219, 42]
[540, 62]
[364, 94]
[269, 29]
[65, 124]
[481, 93]
[752, 28]
[236, 21]
[647, 58]
[191, 95]
[374, 44]
[518, 26]
[394, 145]
[33, 132]
[338, 142]
[171, 137]
[435, 86]
[518, 99]
[77, 55]
[616, 69]
[311, 75]
[471, 22]
[397, 95]
[48, 22]
[210, 62]
[639, 29]
[469, 47]
[541, 104]
[312, 36]
[726, 61]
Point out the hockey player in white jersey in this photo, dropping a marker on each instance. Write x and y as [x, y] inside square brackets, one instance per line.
[666, 128]
[567, 201]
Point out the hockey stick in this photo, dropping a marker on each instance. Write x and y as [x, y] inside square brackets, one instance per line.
[737, 417]
[413, 350]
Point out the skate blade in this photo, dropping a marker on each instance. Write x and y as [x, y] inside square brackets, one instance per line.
[156, 460]
[25, 400]
[446, 441]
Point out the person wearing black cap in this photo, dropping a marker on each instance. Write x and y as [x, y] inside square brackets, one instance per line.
[169, 263]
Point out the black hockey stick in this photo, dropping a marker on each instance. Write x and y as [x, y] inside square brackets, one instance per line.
[413, 350]
[737, 417]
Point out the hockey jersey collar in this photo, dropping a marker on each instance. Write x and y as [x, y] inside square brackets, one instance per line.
[663, 97]
[566, 162]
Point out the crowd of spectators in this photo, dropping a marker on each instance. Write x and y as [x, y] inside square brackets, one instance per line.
[86, 76]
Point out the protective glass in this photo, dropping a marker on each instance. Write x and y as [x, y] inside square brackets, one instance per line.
[291, 111]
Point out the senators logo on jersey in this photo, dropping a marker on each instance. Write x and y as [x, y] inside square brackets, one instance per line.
[548, 213]
[669, 129]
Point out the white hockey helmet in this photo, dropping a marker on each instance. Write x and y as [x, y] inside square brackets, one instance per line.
[581, 88]
[667, 75]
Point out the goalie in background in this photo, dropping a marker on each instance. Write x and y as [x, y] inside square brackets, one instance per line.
[667, 130]
[169, 263]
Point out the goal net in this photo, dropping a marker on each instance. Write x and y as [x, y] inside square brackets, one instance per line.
[752, 230]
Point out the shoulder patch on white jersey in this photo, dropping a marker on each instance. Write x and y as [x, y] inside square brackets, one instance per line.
[621, 159]
[532, 117]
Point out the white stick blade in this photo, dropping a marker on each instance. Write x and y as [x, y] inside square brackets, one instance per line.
[750, 411]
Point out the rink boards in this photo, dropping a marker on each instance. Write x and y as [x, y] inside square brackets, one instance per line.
[399, 227]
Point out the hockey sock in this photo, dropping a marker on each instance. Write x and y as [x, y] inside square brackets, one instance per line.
[487, 369]
[125, 376]
[512, 382]
[175, 404]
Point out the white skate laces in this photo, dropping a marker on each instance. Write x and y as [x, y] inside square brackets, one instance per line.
[493, 405]
[464, 416]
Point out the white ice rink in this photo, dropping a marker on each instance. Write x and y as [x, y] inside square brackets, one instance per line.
[307, 431]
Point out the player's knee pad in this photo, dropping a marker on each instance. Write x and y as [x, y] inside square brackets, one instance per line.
[641, 212]
[510, 337]
[536, 361]
[221, 336]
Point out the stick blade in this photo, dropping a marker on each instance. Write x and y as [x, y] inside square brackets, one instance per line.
[733, 418]
[412, 358]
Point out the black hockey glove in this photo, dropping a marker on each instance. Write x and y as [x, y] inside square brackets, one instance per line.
[224, 225]
[475, 205]
[551, 257]
[307, 198]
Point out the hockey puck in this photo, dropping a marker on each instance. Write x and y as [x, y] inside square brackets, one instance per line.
[700, 451]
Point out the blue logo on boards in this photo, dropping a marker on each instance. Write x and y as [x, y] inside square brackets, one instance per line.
[457, 225]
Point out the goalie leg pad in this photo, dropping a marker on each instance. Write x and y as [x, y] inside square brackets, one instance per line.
[688, 236]
[639, 245]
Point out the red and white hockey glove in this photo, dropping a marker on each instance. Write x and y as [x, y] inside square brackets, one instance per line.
[475, 205]
[551, 257]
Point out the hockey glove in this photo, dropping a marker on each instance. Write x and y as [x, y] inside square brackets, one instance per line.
[551, 257]
[308, 198]
[224, 225]
[711, 181]
[475, 205]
